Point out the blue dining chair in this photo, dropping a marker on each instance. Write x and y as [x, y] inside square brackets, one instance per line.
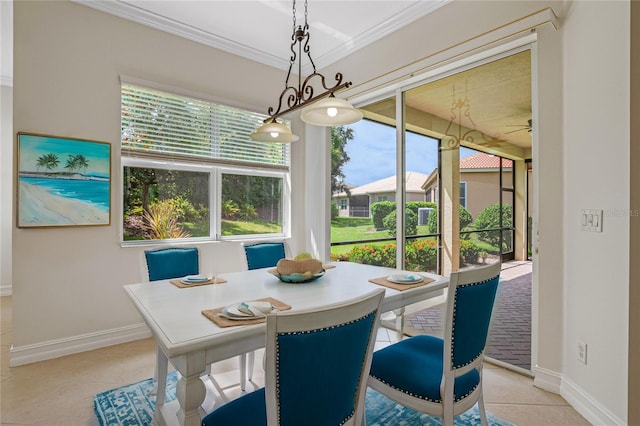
[260, 255]
[316, 368]
[264, 255]
[443, 376]
[177, 262]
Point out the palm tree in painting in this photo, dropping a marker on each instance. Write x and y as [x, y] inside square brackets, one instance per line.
[81, 162]
[48, 161]
[76, 163]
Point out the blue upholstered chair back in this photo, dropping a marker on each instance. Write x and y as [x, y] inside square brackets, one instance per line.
[320, 362]
[166, 263]
[264, 255]
[473, 305]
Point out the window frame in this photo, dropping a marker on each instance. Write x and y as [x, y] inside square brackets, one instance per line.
[285, 202]
[215, 167]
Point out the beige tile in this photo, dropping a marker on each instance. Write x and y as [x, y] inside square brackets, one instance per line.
[536, 415]
[501, 385]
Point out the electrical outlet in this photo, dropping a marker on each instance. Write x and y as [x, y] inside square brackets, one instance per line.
[582, 352]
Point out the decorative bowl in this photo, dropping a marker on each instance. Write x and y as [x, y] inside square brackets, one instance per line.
[296, 278]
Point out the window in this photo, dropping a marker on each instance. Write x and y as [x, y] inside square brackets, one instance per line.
[343, 204]
[463, 194]
[381, 198]
[190, 170]
[251, 205]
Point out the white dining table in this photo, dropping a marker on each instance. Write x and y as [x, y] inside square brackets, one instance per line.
[191, 341]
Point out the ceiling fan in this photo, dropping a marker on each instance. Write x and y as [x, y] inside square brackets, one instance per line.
[522, 127]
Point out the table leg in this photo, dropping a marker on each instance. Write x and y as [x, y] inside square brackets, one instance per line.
[399, 322]
[161, 376]
[190, 390]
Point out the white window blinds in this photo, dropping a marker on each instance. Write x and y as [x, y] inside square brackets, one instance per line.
[164, 123]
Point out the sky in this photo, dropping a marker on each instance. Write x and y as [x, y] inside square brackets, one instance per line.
[372, 153]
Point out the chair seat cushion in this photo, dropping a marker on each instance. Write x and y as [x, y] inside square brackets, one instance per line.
[248, 410]
[414, 366]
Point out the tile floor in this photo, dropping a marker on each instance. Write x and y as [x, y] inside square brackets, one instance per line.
[60, 391]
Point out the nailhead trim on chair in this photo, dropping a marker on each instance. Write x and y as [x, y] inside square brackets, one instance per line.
[424, 398]
[309, 332]
[453, 325]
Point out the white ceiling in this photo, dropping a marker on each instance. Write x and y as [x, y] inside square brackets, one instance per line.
[261, 29]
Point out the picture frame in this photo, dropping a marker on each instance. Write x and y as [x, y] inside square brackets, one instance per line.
[62, 182]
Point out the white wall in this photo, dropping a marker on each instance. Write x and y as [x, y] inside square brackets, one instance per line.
[6, 143]
[67, 286]
[67, 84]
[596, 175]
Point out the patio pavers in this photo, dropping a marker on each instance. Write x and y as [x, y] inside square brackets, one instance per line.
[510, 335]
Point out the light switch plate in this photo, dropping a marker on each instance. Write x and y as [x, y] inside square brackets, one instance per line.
[591, 220]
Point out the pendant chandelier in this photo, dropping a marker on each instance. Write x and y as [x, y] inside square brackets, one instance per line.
[323, 109]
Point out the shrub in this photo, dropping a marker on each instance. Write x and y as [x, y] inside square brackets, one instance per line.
[230, 210]
[410, 223]
[379, 211]
[432, 222]
[334, 210]
[489, 218]
[421, 255]
[134, 228]
[161, 222]
[374, 254]
[247, 212]
[469, 252]
[183, 209]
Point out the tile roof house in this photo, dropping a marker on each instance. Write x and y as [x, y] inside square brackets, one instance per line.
[358, 202]
[479, 180]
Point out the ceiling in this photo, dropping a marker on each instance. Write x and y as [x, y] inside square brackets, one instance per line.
[498, 93]
[261, 29]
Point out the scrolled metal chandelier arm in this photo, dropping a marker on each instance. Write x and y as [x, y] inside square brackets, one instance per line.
[322, 109]
[293, 98]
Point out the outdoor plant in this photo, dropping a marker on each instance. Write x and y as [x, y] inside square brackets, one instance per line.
[489, 218]
[465, 220]
[161, 222]
[410, 223]
[379, 211]
[334, 210]
[183, 208]
[374, 254]
[134, 227]
[469, 252]
[422, 255]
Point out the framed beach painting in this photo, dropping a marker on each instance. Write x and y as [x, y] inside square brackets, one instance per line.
[63, 181]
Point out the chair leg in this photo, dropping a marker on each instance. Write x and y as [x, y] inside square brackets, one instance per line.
[483, 413]
[243, 372]
[252, 358]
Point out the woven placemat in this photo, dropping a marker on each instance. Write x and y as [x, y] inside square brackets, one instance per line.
[385, 282]
[179, 283]
[212, 314]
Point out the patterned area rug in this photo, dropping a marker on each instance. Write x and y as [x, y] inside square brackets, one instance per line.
[133, 405]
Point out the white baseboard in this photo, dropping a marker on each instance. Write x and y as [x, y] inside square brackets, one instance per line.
[580, 400]
[589, 408]
[71, 345]
[6, 290]
[548, 380]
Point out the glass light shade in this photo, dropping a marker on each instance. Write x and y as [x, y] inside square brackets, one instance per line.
[330, 111]
[273, 132]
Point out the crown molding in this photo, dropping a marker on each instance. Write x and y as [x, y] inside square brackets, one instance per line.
[135, 14]
[398, 21]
